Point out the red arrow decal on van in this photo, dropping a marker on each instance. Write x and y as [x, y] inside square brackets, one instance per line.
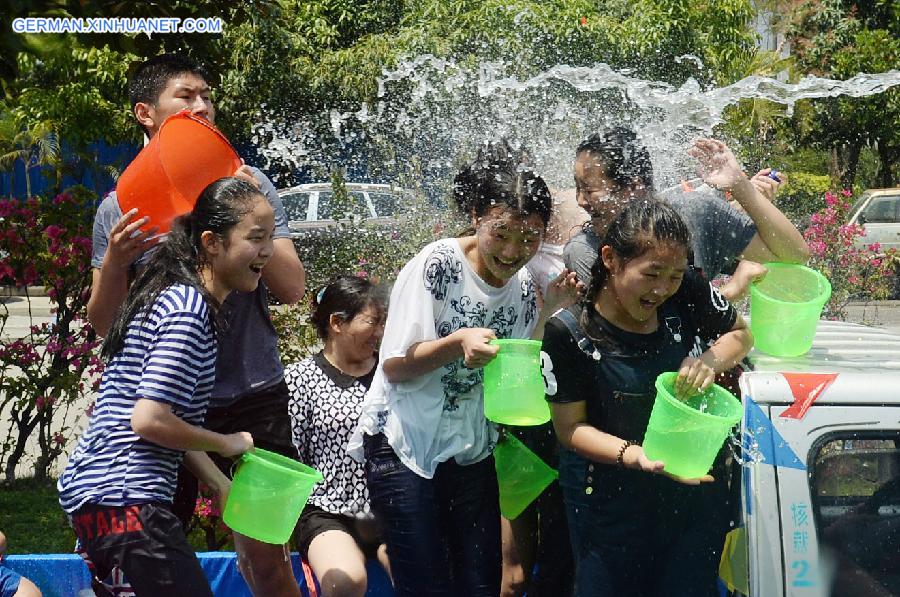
[805, 387]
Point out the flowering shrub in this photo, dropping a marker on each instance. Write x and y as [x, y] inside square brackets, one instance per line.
[54, 366]
[357, 248]
[856, 271]
[208, 520]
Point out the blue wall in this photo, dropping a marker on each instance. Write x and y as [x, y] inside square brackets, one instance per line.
[119, 156]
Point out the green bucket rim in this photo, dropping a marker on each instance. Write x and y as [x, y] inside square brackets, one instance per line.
[821, 300]
[515, 342]
[278, 462]
[669, 398]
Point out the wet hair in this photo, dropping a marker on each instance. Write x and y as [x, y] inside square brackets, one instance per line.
[625, 160]
[499, 175]
[637, 227]
[150, 78]
[181, 256]
[346, 297]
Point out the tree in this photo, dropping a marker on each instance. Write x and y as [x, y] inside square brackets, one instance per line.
[37, 145]
[838, 39]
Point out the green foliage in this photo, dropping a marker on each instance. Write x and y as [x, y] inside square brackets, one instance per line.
[365, 249]
[801, 195]
[838, 38]
[857, 272]
[78, 92]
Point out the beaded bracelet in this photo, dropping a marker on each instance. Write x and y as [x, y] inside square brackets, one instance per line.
[620, 458]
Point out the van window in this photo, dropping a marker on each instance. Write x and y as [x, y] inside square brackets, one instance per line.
[295, 206]
[856, 501]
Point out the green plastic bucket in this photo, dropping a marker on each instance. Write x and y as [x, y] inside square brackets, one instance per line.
[521, 475]
[267, 495]
[687, 435]
[785, 307]
[514, 385]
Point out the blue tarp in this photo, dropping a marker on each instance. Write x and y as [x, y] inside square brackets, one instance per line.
[64, 575]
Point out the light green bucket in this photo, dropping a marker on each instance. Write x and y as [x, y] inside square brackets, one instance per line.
[785, 308]
[521, 475]
[267, 496]
[687, 435]
[514, 385]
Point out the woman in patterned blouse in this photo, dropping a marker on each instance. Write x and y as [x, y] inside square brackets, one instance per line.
[336, 531]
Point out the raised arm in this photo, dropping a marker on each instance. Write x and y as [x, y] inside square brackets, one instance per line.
[777, 239]
[126, 242]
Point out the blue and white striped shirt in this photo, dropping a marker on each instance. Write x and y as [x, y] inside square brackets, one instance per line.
[169, 356]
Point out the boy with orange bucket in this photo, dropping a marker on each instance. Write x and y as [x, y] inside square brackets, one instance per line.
[249, 393]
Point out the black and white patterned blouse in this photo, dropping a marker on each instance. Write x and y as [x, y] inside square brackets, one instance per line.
[325, 406]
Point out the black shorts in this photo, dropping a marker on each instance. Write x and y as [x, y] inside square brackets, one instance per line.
[314, 521]
[147, 542]
[264, 415]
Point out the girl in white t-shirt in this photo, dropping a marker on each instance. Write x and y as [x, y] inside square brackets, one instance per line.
[422, 431]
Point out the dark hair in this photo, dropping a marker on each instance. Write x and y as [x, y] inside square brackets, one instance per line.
[150, 78]
[629, 232]
[499, 176]
[179, 258]
[345, 297]
[625, 160]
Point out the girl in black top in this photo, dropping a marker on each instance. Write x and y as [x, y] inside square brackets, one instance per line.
[635, 529]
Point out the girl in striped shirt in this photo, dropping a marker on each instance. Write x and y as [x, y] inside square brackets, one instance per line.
[161, 351]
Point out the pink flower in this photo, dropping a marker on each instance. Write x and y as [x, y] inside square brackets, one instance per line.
[54, 232]
[847, 193]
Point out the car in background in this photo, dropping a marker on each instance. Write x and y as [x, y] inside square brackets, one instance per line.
[310, 207]
[878, 211]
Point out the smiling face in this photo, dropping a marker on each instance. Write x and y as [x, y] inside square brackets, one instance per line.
[636, 288]
[357, 339]
[598, 194]
[183, 92]
[235, 262]
[505, 240]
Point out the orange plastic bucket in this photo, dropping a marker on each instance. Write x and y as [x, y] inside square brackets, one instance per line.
[183, 158]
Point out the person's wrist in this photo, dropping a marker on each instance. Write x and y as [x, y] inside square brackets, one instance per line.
[742, 189]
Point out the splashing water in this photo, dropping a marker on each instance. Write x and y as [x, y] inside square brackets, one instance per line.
[432, 113]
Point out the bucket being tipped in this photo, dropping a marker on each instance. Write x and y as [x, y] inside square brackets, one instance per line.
[687, 435]
[514, 384]
[267, 495]
[785, 307]
[183, 158]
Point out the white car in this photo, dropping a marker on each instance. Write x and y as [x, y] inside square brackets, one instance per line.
[309, 207]
[878, 211]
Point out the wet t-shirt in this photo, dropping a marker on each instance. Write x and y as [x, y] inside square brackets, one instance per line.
[719, 234]
[248, 358]
[617, 383]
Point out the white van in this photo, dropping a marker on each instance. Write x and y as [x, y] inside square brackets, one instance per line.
[821, 492]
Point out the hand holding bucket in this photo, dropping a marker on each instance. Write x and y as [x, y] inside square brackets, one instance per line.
[514, 385]
[267, 495]
[687, 435]
[183, 158]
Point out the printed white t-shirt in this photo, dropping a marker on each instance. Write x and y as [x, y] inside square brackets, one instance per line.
[440, 415]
